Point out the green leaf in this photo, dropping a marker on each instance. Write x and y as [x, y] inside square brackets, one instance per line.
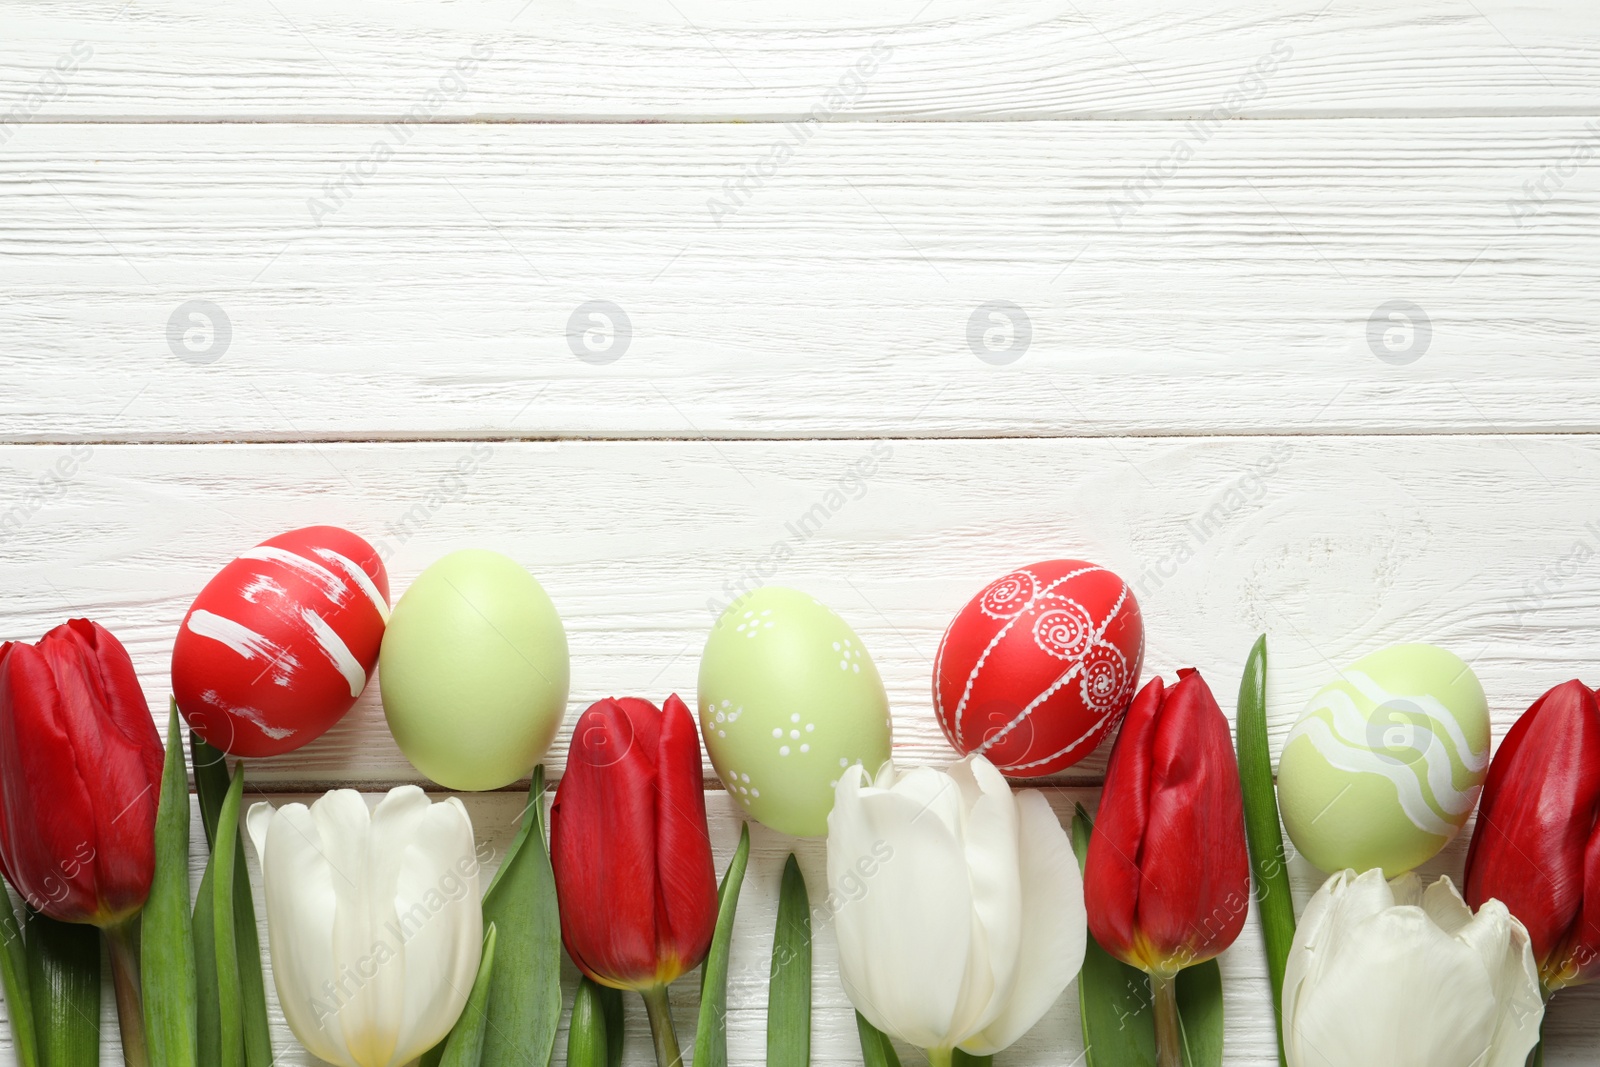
[876, 1049]
[224, 863]
[958, 1058]
[208, 1006]
[14, 978]
[64, 981]
[167, 957]
[464, 1046]
[1262, 830]
[524, 1006]
[1118, 1010]
[586, 1031]
[711, 1034]
[611, 1005]
[789, 993]
[211, 782]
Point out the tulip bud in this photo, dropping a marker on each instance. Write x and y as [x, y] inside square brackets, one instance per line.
[957, 904]
[1535, 847]
[374, 923]
[630, 847]
[1395, 973]
[80, 774]
[632, 855]
[1167, 878]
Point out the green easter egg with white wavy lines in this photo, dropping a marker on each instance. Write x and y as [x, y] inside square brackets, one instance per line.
[1386, 762]
[788, 699]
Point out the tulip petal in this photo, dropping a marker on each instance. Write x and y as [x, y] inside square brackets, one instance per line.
[603, 834]
[1503, 945]
[1537, 815]
[688, 876]
[1053, 920]
[902, 905]
[439, 921]
[1195, 890]
[301, 906]
[989, 837]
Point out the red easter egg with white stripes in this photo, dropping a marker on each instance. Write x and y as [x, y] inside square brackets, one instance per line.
[1039, 667]
[278, 646]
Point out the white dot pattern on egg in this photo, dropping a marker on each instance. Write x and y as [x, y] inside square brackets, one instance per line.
[806, 694]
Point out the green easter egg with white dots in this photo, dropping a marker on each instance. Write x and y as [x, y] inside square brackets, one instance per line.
[1386, 762]
[788, 699]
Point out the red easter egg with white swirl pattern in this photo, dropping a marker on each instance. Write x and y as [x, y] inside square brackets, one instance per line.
[278, 646]
[1039, 667]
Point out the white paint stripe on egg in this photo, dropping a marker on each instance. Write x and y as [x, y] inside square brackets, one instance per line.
[360, 577]
[240, 638]
[1430, 706]
[1351, 729]
[1342, 755]
[260, 583]
[336, 650]
[334, 587]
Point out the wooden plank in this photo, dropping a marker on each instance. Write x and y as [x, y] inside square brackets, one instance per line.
[1058, 1038]
[1288, 277]
[705, 59]
[1332, 546]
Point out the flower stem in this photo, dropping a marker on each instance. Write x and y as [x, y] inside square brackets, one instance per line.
[940, 1057]
[661, 1031]
[1169, 1030]
[123, 942]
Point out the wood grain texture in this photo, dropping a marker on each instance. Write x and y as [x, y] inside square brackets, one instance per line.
[1249, 290]
[709, 59]
[1573, 1026]
[1332, 546]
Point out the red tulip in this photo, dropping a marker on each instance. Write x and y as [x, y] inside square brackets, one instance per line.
[80, 774]
[1535, 848]
[1167, 879]
[631, 852]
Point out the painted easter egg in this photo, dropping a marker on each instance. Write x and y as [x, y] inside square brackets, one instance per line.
[788, 698]
[1386, 762]
[278, 646]
[1040, 666]
[475, 671]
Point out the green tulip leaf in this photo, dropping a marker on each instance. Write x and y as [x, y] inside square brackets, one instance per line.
[14, 979]
[959, 1058]
[611, 1005]
[711, 1035]
[224, 864]
[789, 992]
[522, 1006]
[876, 1049]
[464, 1046]
[1118, 1009]
[1262, 829]
[587, 1037]
[166, 962]
[212, 782]
[64, 980]
[208, 1004]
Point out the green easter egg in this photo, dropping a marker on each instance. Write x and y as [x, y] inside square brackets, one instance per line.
[1386, 762]
[788, 699]
[474, 671]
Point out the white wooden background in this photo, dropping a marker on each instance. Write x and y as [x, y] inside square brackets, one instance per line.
[1200, 218]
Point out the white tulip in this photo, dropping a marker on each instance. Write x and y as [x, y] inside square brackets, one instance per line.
[958, 906]
[1389, 972]
[374, 923]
